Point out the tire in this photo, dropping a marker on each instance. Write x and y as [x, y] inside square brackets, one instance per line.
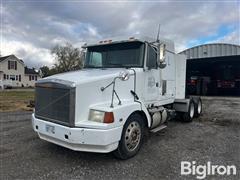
[198, 107]
[132, 137]
[188, 116]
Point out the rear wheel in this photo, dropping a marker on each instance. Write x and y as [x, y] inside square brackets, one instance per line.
[198, 107]
[132, 137]
[188, 116]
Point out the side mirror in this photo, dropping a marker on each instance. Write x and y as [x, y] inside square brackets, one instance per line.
[124, 75]
[162, 56]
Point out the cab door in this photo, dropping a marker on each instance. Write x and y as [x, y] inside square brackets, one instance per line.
[151, 76]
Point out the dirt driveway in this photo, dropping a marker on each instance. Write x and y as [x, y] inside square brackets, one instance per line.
[214, 137]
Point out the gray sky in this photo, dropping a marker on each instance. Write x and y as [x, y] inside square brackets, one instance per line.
[29, 29]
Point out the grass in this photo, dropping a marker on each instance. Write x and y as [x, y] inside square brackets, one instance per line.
[13, 100]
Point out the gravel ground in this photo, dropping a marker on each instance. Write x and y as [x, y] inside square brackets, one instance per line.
[214, 137]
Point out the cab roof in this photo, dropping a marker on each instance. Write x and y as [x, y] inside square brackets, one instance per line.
[143, 39]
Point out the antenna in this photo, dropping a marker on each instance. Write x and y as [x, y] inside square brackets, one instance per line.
[158, 33]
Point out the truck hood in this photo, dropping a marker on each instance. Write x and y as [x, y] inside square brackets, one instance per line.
[87, 75]
[87, 85]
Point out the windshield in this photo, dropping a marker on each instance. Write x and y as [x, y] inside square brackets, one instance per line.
[129, 54]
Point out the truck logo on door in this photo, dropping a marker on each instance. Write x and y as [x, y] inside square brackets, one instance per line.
[151, 81]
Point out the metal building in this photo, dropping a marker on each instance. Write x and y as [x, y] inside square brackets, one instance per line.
[213, 69]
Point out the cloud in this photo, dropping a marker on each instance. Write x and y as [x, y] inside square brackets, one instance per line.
[231, 38]
[30, 29]
[35, 57]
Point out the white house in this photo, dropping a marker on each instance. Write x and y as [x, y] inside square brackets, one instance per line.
[14, 73]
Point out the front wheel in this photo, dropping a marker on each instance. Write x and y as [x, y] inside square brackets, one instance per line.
[132, 137]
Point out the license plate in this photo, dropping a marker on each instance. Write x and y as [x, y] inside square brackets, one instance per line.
[50, 129]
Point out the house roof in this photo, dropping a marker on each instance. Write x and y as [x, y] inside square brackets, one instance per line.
[6, 57]
[30, 71]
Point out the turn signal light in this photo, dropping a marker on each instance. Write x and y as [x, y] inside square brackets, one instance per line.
[108, 117]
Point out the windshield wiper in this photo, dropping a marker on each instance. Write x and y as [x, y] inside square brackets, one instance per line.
[116, 64]
[92, 66]
[107, 66]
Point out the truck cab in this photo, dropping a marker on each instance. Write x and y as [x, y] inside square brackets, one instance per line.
[126, 87]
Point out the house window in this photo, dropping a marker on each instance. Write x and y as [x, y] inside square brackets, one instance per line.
[20, 78]
[4, 76]
[30, 77]
[16, 77]
[12, 65]
[12, 77]
[35, 78]
[7, 77]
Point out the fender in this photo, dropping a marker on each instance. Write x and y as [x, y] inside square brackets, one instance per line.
[149, 119]
[123, 111]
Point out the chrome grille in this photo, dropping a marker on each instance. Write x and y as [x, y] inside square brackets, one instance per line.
[55, 102]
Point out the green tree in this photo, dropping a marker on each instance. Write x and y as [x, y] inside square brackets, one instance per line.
[67, 58]
[46, 71]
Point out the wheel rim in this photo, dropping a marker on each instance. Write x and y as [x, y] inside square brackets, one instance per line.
[199, 107]
[132, 136]
[191, 110]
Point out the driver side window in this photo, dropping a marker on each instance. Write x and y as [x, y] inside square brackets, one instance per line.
[151, 58]
[96, 59]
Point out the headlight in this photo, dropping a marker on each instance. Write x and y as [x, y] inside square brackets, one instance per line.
[101, 116]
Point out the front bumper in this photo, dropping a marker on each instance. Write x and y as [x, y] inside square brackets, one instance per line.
[78, 139]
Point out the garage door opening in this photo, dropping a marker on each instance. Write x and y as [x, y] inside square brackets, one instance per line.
[215, 76]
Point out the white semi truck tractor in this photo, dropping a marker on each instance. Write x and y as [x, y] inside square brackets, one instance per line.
[125, 88]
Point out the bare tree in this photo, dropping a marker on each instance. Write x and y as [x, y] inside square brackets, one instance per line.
[67, 58]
